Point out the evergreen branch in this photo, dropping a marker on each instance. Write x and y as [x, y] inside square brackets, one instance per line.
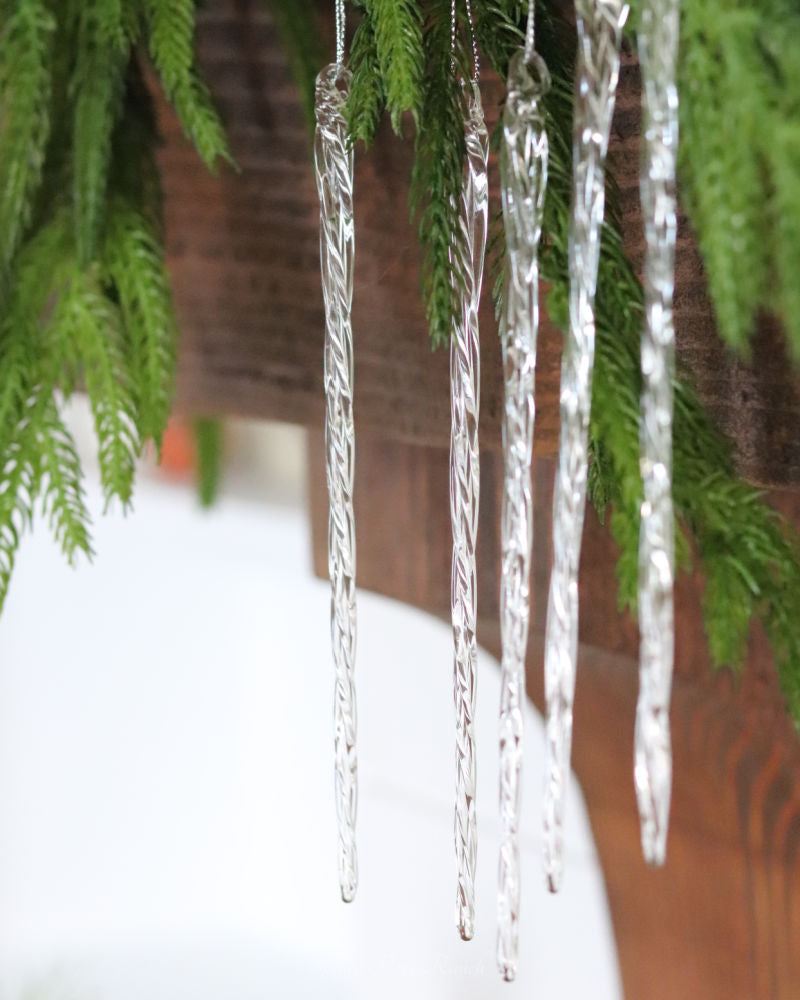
[200, 121]
[208, 447]
[26, 56]
[96, 327]
[723, 189]
[98, 87]
[135, 264]
[19, 485]
[367, 90]
[397, 25]
[437, 174]
[34, 280]
[62, 487]
[739, 79]
[784, 155]
[66, 83]
[170, 29]
[170, 25]
[750, 558]
[135, 176]
[111, 23]
[41, 456]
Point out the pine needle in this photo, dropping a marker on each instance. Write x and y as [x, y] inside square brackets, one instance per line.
[135, 264]
[98, 87]
[397, 26]
[437, 174]
[94, 323]
[367, 91]
[749, 556]
[64, 499]
[26, 54]
[170, 29]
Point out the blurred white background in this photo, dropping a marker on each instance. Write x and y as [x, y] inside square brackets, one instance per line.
[167, 826]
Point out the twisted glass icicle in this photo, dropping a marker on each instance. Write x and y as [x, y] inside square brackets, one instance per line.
[334, 170]
[658, 50]
[467, 259]
[523, 170]
[600, 24]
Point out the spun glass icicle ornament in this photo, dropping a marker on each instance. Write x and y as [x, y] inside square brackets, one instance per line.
[467, 259]
[523, 171]
[333, 156]
[600, 24]
[658, 51]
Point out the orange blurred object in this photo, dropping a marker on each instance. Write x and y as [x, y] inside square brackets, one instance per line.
[178, 459]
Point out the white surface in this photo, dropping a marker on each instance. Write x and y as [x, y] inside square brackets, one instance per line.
[166, 809]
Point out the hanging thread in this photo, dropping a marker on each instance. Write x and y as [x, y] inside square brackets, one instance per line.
[530, 31]
[340, 31]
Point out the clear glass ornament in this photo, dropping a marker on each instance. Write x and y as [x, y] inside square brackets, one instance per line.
[658, 52]
[523, 171]
[334, 171]
[600, 24]
[468, 259]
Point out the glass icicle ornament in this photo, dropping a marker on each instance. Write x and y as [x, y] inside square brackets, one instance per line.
[523, 171]
[468, 253]
[658, 51]
[333, 156]
[600, 24]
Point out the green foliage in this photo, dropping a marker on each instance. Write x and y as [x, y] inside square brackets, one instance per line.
[136, 267]
[111, 25]
[93, 322]
[18, 490]
[208, 447]
[37, 453]
[134, 170]
[84, 294]
[750, 560]
[200, 121]
[368, 90]
[26, 55]
[739, 80]
[398, 40]
[170, 32]
[97, 84]
[38, 266]
[438, 171]
[62, 487]
[171, 36]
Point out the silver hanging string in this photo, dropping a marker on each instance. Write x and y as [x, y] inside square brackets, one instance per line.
[340, 31]
[523, 169]
[333, 156]
[658, 51]
[467, 259]
[476, 62]
[530, 30]
[600, 24]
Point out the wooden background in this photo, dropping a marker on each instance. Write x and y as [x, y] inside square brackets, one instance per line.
[720, 921]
